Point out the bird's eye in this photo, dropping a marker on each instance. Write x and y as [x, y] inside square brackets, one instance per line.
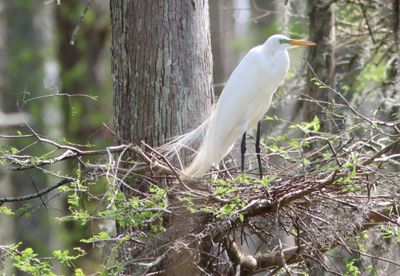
[284, 41]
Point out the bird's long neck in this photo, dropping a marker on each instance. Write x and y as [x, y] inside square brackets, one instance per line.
[268, 49]
[278, 61]
[274, 54]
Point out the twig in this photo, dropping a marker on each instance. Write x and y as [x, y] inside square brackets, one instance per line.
[372, 122]
[36, 189]
[78, 26]
[371, 34]
[381, 152]
[38, 194]
[57, 95]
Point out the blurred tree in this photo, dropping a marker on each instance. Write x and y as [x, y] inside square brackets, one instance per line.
[222, 22]
[22, 78]
[6, 223]
[162, 87]
[322, 58]
[264, 17]
[83, 32]
[82, 52]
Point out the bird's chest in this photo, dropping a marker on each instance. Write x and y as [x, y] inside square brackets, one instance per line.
[276, 69]
[273, 76]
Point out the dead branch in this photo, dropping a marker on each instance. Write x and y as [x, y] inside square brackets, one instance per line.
[291, 255]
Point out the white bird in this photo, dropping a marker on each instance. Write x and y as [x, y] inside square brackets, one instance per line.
[244, 100]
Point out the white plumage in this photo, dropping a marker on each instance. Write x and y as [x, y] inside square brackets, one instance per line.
[244, 100]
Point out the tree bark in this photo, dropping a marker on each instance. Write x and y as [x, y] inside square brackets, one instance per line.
[162, 82]
[161, 68]
[321, 58]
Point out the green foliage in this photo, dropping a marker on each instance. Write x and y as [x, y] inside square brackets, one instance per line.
[372, 74]
[138, 212]
[298, 27]
[188, 202]
[318, 83]
[390, 232]
[24, 210]
[102, 236]
[128, 212]
[6, 211]
[347, 182]
[372, 271]
[73, 200]
[27, 261]
[265, 182]
[79, 272]
[228, 190]
[80, 216]
[64, 257]
[231, 209]
[351, 269]
[308, 127]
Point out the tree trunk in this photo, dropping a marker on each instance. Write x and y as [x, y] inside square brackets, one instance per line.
[222, 17]
[161, 65]
[161, 68]
[321, 58]
[6, 222]
[23, 72]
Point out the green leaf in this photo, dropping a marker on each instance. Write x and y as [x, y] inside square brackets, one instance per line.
[64, 257]
[102, 236]
[24, 210]
[79, 272]
[6, 211]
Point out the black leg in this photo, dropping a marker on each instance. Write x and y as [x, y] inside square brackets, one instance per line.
[242, 151]
[258, 150]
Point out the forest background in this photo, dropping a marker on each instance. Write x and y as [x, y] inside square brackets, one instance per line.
[78, 196]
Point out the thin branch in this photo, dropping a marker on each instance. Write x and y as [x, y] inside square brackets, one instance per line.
[381, 152]
[38, 194]
[358, 114]
[78, 26]
[364, 12]
[58, 95]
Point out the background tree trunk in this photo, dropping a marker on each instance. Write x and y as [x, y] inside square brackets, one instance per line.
[161, 65]
[80, 73]
[321, 58]
[22, 78]
[222, 17]
[81, 53]
[6, 223]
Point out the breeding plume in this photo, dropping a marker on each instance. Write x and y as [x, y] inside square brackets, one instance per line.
[244, 100]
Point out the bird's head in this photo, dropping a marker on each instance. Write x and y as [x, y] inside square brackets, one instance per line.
[281, 42]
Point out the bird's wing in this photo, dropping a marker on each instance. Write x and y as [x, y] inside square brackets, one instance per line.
[245, 94]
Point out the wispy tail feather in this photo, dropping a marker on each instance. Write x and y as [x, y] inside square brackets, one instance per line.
[200, 164]
[187, 144]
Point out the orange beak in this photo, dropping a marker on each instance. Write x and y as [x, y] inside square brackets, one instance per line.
[299, 42]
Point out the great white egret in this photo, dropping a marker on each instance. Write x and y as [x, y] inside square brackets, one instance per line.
[244, 100]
